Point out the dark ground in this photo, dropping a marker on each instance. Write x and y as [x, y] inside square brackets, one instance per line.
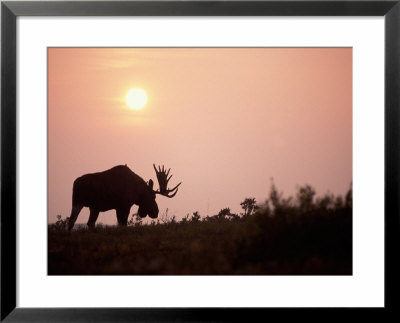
[287, 241]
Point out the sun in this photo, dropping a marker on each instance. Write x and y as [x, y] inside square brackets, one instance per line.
[136, 98]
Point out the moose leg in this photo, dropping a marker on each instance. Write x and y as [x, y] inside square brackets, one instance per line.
[122, 216]
[74, 215]
[94, 214]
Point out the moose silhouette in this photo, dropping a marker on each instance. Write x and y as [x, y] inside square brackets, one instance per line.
[118, 189]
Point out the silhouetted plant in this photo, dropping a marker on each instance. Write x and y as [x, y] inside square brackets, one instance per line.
[326, 202]
[234, 216]
[61, 224]
[305, 202]
[223, 213]
[135, 220]
[195, 217]
[339, 202]
[209, 218]
[173, 219]
[349, 198]
[165, 217]
[305, 197]
[185, 219]
[277, 204]
[249, 206]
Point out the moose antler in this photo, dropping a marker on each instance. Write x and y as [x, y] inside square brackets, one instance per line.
[163, 179]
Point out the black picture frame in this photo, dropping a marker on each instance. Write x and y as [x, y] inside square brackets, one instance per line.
[11, 10]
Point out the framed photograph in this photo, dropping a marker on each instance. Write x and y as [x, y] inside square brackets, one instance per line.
[198, 160]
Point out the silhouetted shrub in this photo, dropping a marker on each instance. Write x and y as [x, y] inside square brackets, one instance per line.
[60, 225]
[195, 217]
[135, 220]
[249, 205]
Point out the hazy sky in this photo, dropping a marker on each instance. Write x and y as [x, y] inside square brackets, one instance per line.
[225, 120]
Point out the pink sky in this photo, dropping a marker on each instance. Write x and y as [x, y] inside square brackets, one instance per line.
[225, 120]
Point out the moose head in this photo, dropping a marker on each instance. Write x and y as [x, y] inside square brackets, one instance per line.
[149, 206]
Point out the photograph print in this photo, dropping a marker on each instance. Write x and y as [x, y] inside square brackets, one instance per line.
[200, 161]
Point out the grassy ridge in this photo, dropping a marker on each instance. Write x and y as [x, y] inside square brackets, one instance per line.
[302, 238]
